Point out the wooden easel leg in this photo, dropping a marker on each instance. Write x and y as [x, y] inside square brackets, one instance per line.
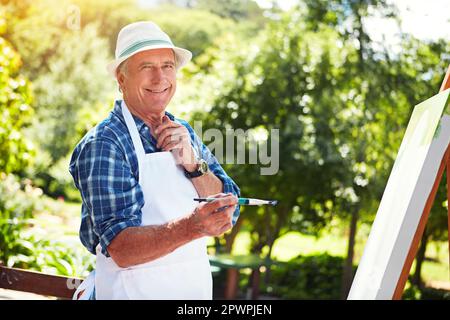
[419, 231]
[445, 164]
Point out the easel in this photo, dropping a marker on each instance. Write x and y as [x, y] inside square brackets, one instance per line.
[445, 163]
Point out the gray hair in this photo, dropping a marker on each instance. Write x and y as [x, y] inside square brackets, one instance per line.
[123, 67]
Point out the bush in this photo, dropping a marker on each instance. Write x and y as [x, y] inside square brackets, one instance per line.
[425, 293]
[15, 111]
[434, 294]
[18, 201]
[23, 245]
[308, 277]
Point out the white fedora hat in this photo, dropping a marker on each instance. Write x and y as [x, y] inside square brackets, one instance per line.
[141, 36]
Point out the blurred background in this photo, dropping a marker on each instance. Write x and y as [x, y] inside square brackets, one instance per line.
[339, 78]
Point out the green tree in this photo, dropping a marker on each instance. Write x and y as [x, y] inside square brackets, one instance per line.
[238, 10]
[66, 62]
[268, 85]
[16, 151]
[76, 80]
[192, 28]
[341, 107]
[387, 86]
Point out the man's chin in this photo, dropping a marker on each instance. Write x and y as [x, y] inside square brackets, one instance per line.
[156, 105]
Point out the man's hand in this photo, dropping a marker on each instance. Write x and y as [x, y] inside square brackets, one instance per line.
[214, 218]
[174, 137]
[137, 245]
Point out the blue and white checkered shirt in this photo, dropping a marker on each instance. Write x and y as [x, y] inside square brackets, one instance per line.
[105, 169]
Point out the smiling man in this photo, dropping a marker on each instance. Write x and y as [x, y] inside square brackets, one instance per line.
[138, 172]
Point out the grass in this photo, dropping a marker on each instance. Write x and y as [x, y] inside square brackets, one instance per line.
[435, 272]
[60, 219]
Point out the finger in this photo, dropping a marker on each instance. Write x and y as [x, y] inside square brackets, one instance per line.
[229, 212]
[165, 125]
[218, 195]
[175, 137]
[225, 208]
[172, 130]
[214, 205]
[176, 149]
[200, 210]
[172, 145]
[225, 227]
[227, 200]
[163, 134]
[225, 216]
[171, 134]
[221, 195]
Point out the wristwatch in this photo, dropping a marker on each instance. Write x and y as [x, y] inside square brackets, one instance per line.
[202, 168]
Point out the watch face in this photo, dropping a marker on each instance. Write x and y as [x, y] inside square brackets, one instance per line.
[203, 166]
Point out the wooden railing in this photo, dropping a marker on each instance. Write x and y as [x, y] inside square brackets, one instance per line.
[37, 282]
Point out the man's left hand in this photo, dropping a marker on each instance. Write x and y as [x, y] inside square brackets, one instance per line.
[174, 137]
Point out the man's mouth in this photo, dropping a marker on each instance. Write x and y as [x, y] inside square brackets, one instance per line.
[157, 90]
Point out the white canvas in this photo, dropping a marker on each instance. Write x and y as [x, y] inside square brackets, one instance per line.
[410, 183]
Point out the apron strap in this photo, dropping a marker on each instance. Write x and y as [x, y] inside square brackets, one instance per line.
[132, 129]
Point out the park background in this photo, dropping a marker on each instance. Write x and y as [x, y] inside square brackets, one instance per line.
[339, 78]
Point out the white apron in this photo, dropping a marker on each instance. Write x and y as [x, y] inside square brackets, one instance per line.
[168, 194]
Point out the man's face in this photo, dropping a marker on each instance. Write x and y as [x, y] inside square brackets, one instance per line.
[149, 81]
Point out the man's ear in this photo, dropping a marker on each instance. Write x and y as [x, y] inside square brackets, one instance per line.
[120, 79]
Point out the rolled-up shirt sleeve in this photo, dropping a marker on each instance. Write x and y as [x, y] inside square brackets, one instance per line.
[229, 186]
[111, 194]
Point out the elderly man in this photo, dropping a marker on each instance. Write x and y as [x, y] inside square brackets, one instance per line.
[138, 172]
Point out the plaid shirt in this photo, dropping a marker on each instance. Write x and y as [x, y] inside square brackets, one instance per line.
[105, 169]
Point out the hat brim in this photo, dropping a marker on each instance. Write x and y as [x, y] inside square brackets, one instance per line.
[182, 56]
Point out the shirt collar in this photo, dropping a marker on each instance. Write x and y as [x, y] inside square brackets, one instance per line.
[140, 124]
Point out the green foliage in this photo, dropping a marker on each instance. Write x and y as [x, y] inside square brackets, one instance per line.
[110, 16]
[247, 14]
[198, 30]
[425, 293]
[308, 277]
[340, 105]
[66, 63]
[234, 9]
[23, 244]
[76, 81]
[52, 257]
[18, 202]
[16, 112]
[434, 294]
[282, 81]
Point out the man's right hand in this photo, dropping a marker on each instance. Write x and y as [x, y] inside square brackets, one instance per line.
[214, 218]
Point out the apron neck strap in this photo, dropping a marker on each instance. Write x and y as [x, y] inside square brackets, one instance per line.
[132, 129]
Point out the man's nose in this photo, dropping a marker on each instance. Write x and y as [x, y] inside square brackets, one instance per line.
[157, 73]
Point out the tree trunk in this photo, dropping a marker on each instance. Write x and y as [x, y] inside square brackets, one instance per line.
[347, 275]
[276, 232]
[229, 238]
[416, 278]
[281, 221]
